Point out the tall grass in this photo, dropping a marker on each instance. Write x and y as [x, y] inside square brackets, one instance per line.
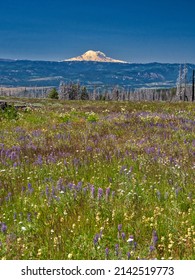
[98, 180]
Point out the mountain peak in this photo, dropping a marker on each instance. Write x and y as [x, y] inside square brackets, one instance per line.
[94, 56]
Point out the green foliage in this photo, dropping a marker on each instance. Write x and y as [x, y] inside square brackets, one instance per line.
[9, 113]
[84, 94]
[74, 92]
[53, 94]
[92, 117]
[65, 117]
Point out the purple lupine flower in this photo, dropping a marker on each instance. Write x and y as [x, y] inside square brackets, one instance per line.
[3, 228]
[15, 164]
[36, 133]
[100, 193]
[154, 238]
[70, 186]
[39, 160]
[79, 186]
[107, 252]
[89, 149]
[56, 197]
[123, 168]
[135, 245]
[171, 160]
[76, 162]
[8, 197]
[47, 191]
[131, 239]
[95, 239]
[92, 191]
[59, 184]
[117, 249]
[53, 191]
[23, 189]
[107, 193]
[128, 255]
[119, 227]
[152, 248]
[30, 188]
[29, 217]
[13, 155]
[123, 235]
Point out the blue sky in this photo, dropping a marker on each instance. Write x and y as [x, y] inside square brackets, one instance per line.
[135, 31]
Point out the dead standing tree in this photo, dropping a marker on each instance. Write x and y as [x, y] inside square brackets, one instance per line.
[193, 85]
[181, 84]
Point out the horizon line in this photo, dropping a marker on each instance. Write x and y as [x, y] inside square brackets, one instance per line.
[67, 60]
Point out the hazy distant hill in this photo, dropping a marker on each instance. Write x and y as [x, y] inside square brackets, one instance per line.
[48, 73]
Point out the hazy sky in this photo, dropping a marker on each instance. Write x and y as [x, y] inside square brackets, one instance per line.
[135, 31]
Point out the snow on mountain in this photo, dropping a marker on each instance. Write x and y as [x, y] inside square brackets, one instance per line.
[94, 56]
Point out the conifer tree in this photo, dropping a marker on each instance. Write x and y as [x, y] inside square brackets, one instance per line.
[53, 94]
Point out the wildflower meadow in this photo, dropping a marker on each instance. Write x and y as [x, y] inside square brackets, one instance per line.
[96, 180]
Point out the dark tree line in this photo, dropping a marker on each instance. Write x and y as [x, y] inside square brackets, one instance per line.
[73, 92]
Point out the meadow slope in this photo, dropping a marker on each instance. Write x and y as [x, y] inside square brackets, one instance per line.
[97, 180]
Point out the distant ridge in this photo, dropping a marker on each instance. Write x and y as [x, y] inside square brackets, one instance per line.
[7, 59]
[94, 56]
[51, 73]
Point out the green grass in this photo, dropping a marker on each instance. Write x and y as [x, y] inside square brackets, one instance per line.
[79, 178]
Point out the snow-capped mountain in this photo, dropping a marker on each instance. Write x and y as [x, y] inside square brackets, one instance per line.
[94, 56]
